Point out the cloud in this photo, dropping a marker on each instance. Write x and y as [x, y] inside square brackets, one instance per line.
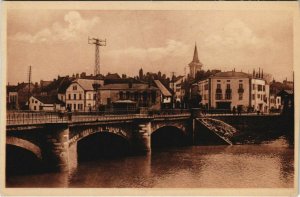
[171, 48]
[70, 30]
[236, 35]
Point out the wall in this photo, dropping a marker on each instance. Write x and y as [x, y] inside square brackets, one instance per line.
[234, 85]
[75, 89]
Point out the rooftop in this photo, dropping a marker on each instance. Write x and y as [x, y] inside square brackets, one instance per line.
[125, 86]
[162, 88]
[231, 74]
[48, 99]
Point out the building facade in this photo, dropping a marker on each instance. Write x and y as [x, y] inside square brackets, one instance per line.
[228, 90]
[81, 95]
[145, 95]
[45, 103]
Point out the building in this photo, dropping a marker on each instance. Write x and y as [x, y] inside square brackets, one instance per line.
[145, 95]
[228, 90]
[287, 100]
[81, 95]
[17, 96]
[12, 98]
[176, 85]
[45, 103]
[166, 96]
[195, 64]
[275, 103]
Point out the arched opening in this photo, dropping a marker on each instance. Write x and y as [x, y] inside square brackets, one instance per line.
[168, 136]
[21, 161]
[102, 145]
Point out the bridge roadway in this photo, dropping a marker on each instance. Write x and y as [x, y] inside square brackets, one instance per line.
[39, 118]
[22, 119]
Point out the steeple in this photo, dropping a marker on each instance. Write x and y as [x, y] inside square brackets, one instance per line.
[195, 65]
[195, 58]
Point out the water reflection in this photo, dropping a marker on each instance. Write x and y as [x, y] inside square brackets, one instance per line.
[265, 165]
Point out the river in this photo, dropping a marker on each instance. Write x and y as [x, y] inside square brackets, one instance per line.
[266, 165]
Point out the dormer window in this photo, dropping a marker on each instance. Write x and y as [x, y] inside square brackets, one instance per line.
[74, 87]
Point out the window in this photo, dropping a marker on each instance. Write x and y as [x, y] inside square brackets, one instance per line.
[253, 86]
[36, 102]
[228, 96]
[74, 87]
[228, 80]
[218, 80]
[74, 106]
[253, 96]
[240, 80]
[264, 88]
[69, 96]
[34, 107]
[94, 96]
[206, 87]
[79, 96]
[228, 86]
[89, 96]
[218, 86]
[74, 96]
[240, 86]
[259, 87]
[258, 96]
[218, 96]
[121, 95]
[240, 96]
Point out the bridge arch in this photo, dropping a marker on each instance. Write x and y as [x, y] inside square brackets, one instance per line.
[168, 135]
[80, 135]
[25, 144]
[102, 144]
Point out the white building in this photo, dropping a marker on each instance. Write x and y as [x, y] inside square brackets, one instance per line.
[45, 103]
[176, 86]
[275, 102]
[226, 90]
[81, 96]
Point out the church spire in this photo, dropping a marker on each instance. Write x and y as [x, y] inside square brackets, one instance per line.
[195, 58]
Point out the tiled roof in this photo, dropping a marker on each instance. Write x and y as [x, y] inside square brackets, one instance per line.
[48, 99]
[86, 84]
[162, 88]
[125, 86]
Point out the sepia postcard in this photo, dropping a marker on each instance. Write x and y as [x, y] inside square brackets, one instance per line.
[149, 98]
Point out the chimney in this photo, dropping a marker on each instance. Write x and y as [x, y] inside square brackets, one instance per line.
[262, 73]
[259, 72]
[130, 83]
[77, 75]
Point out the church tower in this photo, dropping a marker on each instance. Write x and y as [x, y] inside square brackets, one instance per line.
[195, 64]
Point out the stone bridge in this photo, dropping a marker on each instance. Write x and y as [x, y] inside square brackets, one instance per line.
[55, 143]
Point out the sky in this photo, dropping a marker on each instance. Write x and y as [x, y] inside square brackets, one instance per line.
[55, 42]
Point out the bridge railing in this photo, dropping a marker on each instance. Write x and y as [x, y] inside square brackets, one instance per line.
[31, 118]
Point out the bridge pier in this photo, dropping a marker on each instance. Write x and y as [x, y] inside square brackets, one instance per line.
[56, 149]
[142, 138]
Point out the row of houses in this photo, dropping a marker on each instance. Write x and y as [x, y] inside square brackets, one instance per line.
[79, 94]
